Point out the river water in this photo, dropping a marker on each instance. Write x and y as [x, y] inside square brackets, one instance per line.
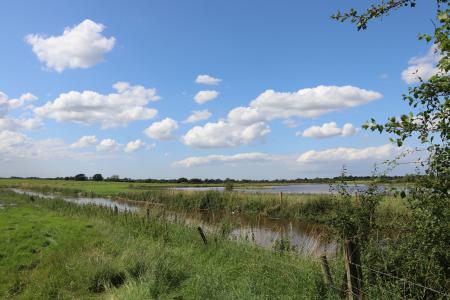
[305, 238]
[316, 188]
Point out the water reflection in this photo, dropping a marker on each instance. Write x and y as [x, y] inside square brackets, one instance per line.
[316, 188]
[303, 237]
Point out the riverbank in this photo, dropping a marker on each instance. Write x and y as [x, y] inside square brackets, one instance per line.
[392, 212]
[55, 249]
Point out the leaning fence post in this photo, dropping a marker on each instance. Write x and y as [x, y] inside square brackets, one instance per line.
[326, 270]
[202, 235]
[353, 270]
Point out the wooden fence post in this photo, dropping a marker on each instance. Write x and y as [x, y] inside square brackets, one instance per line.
[202, 235]
[116, 210]
[281, 198]
[353, 270]
[148, 214]
[326, 270]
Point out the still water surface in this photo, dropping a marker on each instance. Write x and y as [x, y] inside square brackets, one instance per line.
[304, 237]
[316, 188]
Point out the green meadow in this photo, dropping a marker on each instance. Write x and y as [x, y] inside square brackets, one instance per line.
[57, 250]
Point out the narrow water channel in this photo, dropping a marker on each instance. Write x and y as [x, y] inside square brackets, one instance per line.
[305, 238]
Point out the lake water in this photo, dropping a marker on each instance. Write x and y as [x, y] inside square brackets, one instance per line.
[305, 238]
[316, 188]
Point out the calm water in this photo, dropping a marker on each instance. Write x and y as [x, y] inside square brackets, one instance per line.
[319, 188]
[307, 239]
[106, 202]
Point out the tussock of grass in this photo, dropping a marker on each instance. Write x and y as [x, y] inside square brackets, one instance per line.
[93, 253]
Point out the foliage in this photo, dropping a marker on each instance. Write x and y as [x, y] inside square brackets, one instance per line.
[421, 255]
[229, 186]
[80, 177]
[95, 254]
[356, 216]
[97, 177]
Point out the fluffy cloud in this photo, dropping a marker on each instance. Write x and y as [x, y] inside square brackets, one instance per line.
[205, 96]
[310, 102]
[7, 104]
[343, 154]
[306, 103]
[133, 146]
[328, 130]
[14, 124]
[247, 124]
[422, 67]
[199, 115]
[85, 141]
[81, 46]
[10, 123]
[129, 103]
[162, 130]
[108, 145]
[224, 134]
[245, 116]
[223, 159]
[206, 79]
[25, 98]
[17, 146]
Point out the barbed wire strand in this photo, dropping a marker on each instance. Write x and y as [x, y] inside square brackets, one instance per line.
[401, 279]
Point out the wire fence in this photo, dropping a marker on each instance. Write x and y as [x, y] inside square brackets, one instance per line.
[403, 285]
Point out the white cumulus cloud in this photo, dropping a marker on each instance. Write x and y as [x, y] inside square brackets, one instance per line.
[162, 130]
[224, 134]
[247, 124]
[15, 124]
[205, 96]
[108, 145]
[310, 102]
[223, 159]
[328, 130]
[422, 67]
[85, 141]
[133, 146]
[7, 104]
[10, 123]
[81, 46]
[23, 99]
[198, 116]
[127, 104]
[206, 79]
[343, 154]
[18, 146]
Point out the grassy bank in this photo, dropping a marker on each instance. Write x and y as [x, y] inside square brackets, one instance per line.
[313, 208]
[52, 249]
[392, 211]
[109, 187]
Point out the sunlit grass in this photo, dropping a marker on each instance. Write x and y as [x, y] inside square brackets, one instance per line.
[52, 249]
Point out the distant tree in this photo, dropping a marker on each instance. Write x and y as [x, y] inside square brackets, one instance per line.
[195, 180]
[114, 178]
[182, 180]
[81, 177]
[97, 177]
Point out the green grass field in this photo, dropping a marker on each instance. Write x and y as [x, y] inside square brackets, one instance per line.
[56, 250]
[317, 208]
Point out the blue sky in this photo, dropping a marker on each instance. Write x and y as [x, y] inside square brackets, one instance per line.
[319, 72]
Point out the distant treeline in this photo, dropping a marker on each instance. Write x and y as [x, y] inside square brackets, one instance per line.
[116, 178]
